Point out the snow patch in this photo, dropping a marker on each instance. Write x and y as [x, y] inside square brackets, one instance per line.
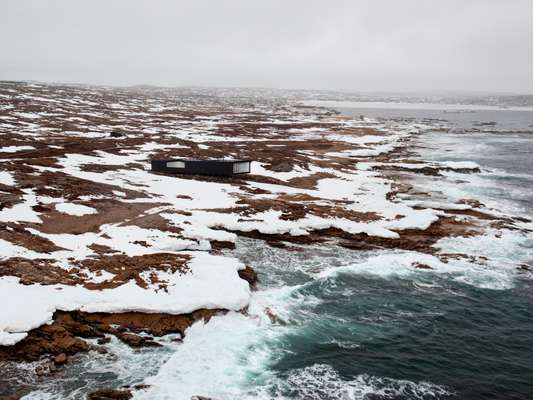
[75, 209]
[213, 282]
[15, 149]
[6, 178]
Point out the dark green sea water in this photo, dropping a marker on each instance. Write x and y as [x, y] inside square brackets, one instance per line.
[426, 335]
[407, 336]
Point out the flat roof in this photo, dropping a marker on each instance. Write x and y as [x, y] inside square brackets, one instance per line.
[226, 160]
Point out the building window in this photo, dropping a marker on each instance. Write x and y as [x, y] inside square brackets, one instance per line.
[176, 164]
[241, 167]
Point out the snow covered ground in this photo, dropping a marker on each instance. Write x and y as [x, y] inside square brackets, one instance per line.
[77, 195]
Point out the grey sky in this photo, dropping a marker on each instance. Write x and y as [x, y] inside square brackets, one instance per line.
[383, 45]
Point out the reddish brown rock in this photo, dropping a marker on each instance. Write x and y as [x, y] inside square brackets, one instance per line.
[48, 339]
[220, 244]
[110, 394]
[282, 166]
[19, 235]
[421, 266]
[410, 239]
[249, 275]
[64, 335]
[524, 267]
[103, 340]
[134, 340]
[60, 359]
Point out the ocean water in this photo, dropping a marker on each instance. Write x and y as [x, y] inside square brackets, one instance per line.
[454, 117]
[365, 325]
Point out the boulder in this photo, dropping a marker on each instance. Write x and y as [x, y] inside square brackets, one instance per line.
[249, 275]
[110, 394]
[60, 359]
[281, 167]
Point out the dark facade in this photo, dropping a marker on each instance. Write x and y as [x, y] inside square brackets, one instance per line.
[202, 167]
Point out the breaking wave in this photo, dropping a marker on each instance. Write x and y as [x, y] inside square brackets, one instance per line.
[322, 382]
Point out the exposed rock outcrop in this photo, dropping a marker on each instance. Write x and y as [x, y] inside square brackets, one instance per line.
[110, 394]
[249, 275]
[64, 336]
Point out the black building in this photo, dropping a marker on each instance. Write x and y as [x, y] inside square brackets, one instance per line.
[202, 167]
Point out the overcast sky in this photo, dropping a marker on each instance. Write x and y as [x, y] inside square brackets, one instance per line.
[372, 45]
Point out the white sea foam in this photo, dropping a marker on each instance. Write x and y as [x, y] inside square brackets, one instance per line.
[499, 270]
[226, 357]
[399, 264]
[122, 365]
[322, 382]
[230, 358]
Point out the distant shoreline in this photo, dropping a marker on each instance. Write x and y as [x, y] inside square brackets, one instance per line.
[411, 106]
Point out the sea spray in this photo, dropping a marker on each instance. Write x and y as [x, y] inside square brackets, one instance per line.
[229, 357]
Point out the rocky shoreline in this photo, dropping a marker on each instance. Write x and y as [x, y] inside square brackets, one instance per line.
[99, 246]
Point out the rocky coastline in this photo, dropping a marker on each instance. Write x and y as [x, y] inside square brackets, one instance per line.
[108, 248]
